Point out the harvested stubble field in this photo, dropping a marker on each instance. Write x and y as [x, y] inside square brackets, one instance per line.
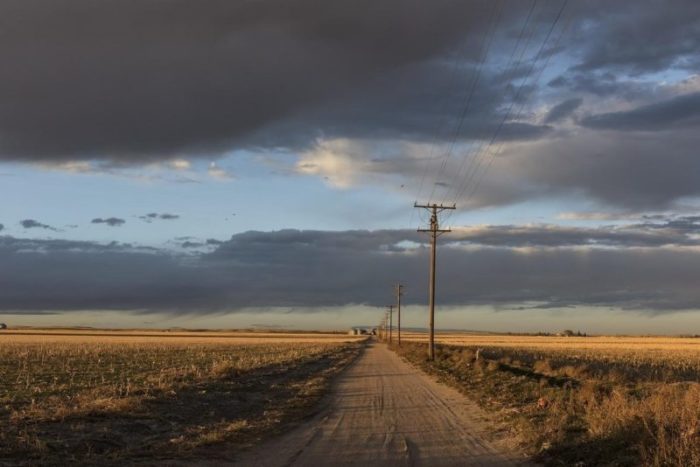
[111, 397]
[581, 400]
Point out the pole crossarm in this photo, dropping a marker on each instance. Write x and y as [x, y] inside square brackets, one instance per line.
[434, 230]
[439, 207]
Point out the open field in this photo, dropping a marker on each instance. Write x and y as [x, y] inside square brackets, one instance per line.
[125, 397]
[653, 343]
[581, 401]
[665, 359]
[32, 336]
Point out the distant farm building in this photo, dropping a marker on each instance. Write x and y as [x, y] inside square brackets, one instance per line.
[360, 332]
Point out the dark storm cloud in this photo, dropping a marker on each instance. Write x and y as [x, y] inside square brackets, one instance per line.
[1, 227]
[672, 232]
[134, 80]
[644, 36]
[604, 84]
[672, 113]
[111, 221]
[33, 224]
[291, 268]
[631, 170]
[563, 110]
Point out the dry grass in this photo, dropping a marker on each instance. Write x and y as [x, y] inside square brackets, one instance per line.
[665, 359]
[122, 398]
[583, 401]
[33, 336]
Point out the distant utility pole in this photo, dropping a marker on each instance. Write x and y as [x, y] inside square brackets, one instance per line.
[399, 292]
[435, 232]
[390, 310]
[387, 330]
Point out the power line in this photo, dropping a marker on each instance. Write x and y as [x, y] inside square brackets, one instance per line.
[522, 106]
[485, 46]
[435, 143]
[474, 155]
[474, 149]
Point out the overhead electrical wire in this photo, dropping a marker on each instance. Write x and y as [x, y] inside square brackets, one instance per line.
[485, 47]
[474, 150]
[459, 57]
[435, 143]
[478, 177]
[486, 157]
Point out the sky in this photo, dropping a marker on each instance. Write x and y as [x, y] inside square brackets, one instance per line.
[228, 164]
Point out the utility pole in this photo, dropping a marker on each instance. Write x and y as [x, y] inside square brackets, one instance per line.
[435, 232]
[399, 292]
[390, 310]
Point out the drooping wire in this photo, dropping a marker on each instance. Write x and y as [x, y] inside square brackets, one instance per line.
[436, 140]
[472, 152]
[477, 175]
[485, 46]
[493, 154]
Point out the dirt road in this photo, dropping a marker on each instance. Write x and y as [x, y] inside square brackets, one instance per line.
[384, 412]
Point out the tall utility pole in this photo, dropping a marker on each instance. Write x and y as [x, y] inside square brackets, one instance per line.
[435, 232]
[399, 292]
[390, 310]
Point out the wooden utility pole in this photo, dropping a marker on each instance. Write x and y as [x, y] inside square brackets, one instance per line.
[390, 310]
[399, 292]
[387, 329]
[435, 232]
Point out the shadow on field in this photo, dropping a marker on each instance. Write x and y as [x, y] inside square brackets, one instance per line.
[617, 445]
[212, 419]
[554, 381]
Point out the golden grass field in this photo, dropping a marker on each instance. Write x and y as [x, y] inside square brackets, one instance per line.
[55, 336]
[651, 343]
[109, 396]
[601, 400]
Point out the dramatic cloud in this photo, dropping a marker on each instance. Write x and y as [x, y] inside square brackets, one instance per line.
[678, 111]
[648, 38]
[209, 75]
[345, 87]
[650, 266]
[111, 221]
[33, 224]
